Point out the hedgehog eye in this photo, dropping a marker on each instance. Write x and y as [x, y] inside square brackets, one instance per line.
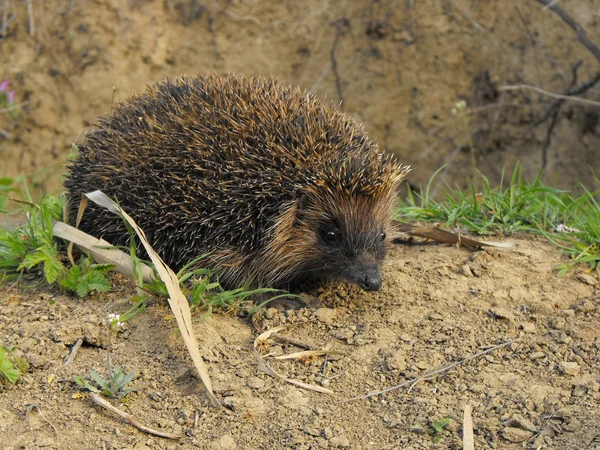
[330, 236]
[382, 236]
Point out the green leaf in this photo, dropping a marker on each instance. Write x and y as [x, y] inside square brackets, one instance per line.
[7, 369]
[438, 425]
[97, 281]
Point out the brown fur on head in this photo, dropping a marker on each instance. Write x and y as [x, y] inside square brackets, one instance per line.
[337, 232]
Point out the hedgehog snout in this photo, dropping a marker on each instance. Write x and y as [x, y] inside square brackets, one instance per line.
[370, 279]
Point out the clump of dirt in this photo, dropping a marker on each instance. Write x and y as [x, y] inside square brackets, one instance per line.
[400, 67]
[439, 305]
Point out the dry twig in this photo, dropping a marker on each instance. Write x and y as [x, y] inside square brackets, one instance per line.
[74, 351]
[516, 87]
[430, 375]
[581, 35]
[129, 418]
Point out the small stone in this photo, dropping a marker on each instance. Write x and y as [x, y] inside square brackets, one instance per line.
[422, 365]
[225, 442]
[587, 279]
[271, 312]
[536, 355]
[521, 422]
[255, 383]
[326, 315]
[561, 337]
[344, 334]
[573, 426]
[516, 434]
[466, 271]
[569, 368]
[585, 306]
[528, 327]
[397, 361]
[501, 313]
[340, 441]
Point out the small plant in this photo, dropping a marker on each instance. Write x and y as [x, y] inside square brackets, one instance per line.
[437, 426]
[114, 386]
[11, 365]
[7, 100]
[32, 248]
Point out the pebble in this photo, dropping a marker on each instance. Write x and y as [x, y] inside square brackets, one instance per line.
[528, 327]
[573, 425]
[466, 271]
[326, 315]
[255, 383]
[340, 441]
[226, 442]
[536, 355]
[501, 313]
[521, 422]
[585, 306]
[587, 279]
[569, 368]
[513, 434]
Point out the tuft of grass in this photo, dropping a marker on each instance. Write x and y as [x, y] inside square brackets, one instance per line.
[568, 220]
[114, 386]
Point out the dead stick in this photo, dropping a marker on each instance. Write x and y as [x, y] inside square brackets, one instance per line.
[517, 87]
[74, 351]
[431, 374]
[593, 48]
[129, 418]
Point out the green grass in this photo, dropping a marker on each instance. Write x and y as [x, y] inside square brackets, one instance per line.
[569, 220]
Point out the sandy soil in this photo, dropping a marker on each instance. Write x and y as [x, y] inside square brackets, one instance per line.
[438, 305]
[398, 66]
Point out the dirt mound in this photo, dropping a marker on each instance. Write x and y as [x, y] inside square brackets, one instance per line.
[438, 305]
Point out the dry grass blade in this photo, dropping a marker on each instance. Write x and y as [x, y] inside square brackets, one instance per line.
[265, 368]
[177, 301]
[129, 418]
[468, 442]
[100, 250]
[307, 353]
[447, 237]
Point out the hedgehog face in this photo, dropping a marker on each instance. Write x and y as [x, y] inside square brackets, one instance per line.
[344, 237]
[352, 254]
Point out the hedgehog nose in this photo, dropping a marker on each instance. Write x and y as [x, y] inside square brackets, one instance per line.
[371, 280]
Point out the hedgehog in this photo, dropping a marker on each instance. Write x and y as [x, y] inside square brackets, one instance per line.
[276, 187]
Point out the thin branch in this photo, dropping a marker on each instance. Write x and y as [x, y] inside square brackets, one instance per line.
[74, 351]
[518, 87]
[432, 374]
[339, 31]
[571, 91]
[132, 420]
[581, 35]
